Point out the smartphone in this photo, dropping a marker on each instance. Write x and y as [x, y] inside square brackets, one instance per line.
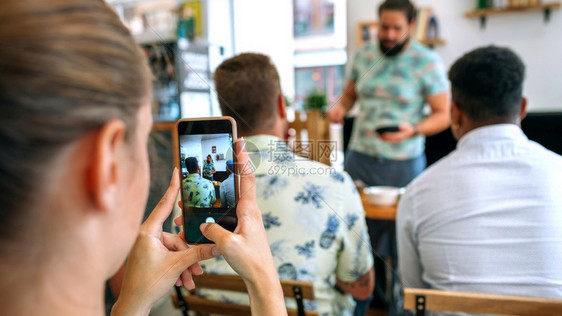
[208, 174]
[386, 129]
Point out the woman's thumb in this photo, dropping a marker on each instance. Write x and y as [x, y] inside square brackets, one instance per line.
[214, 232]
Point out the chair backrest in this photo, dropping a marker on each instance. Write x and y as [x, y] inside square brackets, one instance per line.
[478, 303]
[292, 289]
[317, 146]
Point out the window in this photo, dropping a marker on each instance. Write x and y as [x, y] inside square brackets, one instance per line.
[313, 17]
[329, 79]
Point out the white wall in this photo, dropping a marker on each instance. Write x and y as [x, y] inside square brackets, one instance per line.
[364, 10]
[539, 44]
[196, 146]
[190, 145]
[219, 27]
[266, 26]
[223, 146]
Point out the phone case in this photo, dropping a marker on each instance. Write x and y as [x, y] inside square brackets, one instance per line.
[178, 165]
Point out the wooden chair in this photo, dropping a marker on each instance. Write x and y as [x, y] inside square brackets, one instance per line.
[318, 146]
[191, 302]
[478, 303]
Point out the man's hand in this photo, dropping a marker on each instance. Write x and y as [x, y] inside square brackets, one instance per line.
[361, 288]
[405, 131]
[336, 113]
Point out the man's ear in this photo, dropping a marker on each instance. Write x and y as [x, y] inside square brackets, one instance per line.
[281, 106]
[522, 110]
[456, 120]
[104, 164]
[456, 115]
[412, 29]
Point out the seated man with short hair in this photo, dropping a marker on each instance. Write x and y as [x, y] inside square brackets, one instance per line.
[487, 217]
[227, 192]
[197, 192]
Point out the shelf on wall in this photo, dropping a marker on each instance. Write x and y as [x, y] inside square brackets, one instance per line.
[432, 42]
[483, 13]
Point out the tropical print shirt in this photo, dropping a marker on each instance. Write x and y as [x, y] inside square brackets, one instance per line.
[198, 192]
[208, 168]
[315, 224]
[390, 91]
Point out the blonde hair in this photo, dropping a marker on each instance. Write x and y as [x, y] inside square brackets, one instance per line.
[67, 68]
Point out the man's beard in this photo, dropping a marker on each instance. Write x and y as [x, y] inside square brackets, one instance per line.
[394, 50]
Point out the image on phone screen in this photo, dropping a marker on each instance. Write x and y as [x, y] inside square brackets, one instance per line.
[208, 177]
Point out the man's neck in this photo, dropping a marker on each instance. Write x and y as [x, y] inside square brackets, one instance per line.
[471, 125]
[263, 132]
[406, 47]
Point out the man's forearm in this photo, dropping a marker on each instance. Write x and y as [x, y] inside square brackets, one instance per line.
[440, 117]
[346, 103]
[348, 96]
[434, 123]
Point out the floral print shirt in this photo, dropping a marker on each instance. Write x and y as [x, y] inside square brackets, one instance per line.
[198, 192]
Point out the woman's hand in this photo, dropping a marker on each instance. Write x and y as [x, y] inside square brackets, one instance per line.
[159, 260]
[247, 249]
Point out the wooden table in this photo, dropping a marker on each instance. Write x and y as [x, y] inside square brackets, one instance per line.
[378, 212]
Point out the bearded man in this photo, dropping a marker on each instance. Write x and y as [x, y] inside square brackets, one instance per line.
[392, 81]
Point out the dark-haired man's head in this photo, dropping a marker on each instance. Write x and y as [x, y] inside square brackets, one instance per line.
[487, 87]
[229, 166]
[192, 165]
[396, 23]
[249, 90]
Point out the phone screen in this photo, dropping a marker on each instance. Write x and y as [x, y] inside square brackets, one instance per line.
[209, 185]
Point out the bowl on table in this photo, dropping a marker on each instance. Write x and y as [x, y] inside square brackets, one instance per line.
[382, 195]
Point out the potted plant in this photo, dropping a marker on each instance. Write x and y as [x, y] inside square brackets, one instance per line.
[317, 126]
[316, 101]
